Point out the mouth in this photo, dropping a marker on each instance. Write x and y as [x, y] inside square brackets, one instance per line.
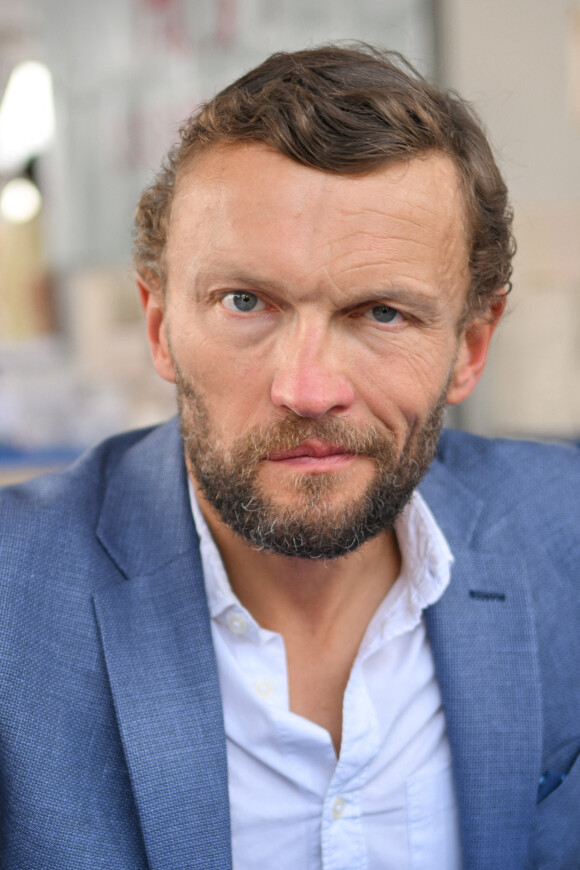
[313, 455]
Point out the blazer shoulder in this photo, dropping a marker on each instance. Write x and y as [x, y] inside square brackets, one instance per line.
[498, 463]
[51, 516]
[83, 478]
[519, 493]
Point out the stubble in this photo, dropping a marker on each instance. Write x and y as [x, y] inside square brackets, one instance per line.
[318, 524]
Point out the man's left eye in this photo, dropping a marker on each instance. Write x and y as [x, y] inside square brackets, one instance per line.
[383, 314]
[243, 301]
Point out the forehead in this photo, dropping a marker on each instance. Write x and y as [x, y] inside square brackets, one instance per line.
[259, 209]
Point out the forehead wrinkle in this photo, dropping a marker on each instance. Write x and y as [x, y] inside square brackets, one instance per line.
[403, 288]
[390, 278]
[393, 259]
[379, 242]
[395, 274]
[411, 205]
[444, 233]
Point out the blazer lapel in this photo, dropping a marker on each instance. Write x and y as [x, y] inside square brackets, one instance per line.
[156, 638]
[483, 640]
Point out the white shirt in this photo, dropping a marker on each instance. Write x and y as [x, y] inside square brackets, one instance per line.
[388, 802]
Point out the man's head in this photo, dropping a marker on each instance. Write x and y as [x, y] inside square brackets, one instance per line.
[344, 110]
[317, 318]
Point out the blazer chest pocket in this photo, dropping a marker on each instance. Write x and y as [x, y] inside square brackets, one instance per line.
[555, 839]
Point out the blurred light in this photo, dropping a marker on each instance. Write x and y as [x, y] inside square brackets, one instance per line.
[26, 115]
[20, 201]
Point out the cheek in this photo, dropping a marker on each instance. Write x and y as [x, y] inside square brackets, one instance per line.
[402, 385]
[234, 386]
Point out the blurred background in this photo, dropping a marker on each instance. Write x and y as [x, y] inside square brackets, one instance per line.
[92, 95]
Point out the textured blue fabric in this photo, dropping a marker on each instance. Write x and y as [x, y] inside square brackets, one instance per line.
[112, 749]
[111, 733]
[508, 658]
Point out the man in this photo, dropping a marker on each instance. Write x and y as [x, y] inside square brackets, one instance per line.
[263, 639]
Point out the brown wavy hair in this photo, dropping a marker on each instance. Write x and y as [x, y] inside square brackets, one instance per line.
[348, 110]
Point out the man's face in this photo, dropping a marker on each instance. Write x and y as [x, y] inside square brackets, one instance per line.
[311, 323]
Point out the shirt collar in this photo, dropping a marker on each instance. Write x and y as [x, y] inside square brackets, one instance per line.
[425, 573]
[426, 560]
[220, 595]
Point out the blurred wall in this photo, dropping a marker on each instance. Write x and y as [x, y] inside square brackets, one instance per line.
[127, 72]
[519, 61]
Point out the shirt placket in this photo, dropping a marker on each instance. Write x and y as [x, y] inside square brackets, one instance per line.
[343, 844]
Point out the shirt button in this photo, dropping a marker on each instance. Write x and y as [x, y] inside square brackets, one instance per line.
[237, 623]
[338, 808]
[264, 688]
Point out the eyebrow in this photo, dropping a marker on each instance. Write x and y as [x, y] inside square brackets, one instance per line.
[224, 275]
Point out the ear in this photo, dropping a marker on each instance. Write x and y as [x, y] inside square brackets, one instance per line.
[473, 348]
[151, 296]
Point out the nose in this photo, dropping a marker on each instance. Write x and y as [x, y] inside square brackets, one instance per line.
[309, 378]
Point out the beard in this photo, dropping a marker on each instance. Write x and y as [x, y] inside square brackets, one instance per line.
[316, 528]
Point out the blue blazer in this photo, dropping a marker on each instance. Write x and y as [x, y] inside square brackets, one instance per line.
[112, 747]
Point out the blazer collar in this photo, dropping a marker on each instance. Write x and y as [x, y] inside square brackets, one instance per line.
[482, 634]
[156, 638]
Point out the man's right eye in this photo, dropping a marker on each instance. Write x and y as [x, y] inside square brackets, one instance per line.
[243, 301]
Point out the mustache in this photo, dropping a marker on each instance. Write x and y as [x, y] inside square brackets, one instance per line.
[292, 430]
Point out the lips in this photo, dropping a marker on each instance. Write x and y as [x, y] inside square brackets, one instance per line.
[310, 450]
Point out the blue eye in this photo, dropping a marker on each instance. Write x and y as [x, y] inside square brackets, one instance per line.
[243, 301]
[383, 313]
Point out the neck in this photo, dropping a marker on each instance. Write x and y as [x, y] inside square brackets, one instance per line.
[321, 609]
[316, 596]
